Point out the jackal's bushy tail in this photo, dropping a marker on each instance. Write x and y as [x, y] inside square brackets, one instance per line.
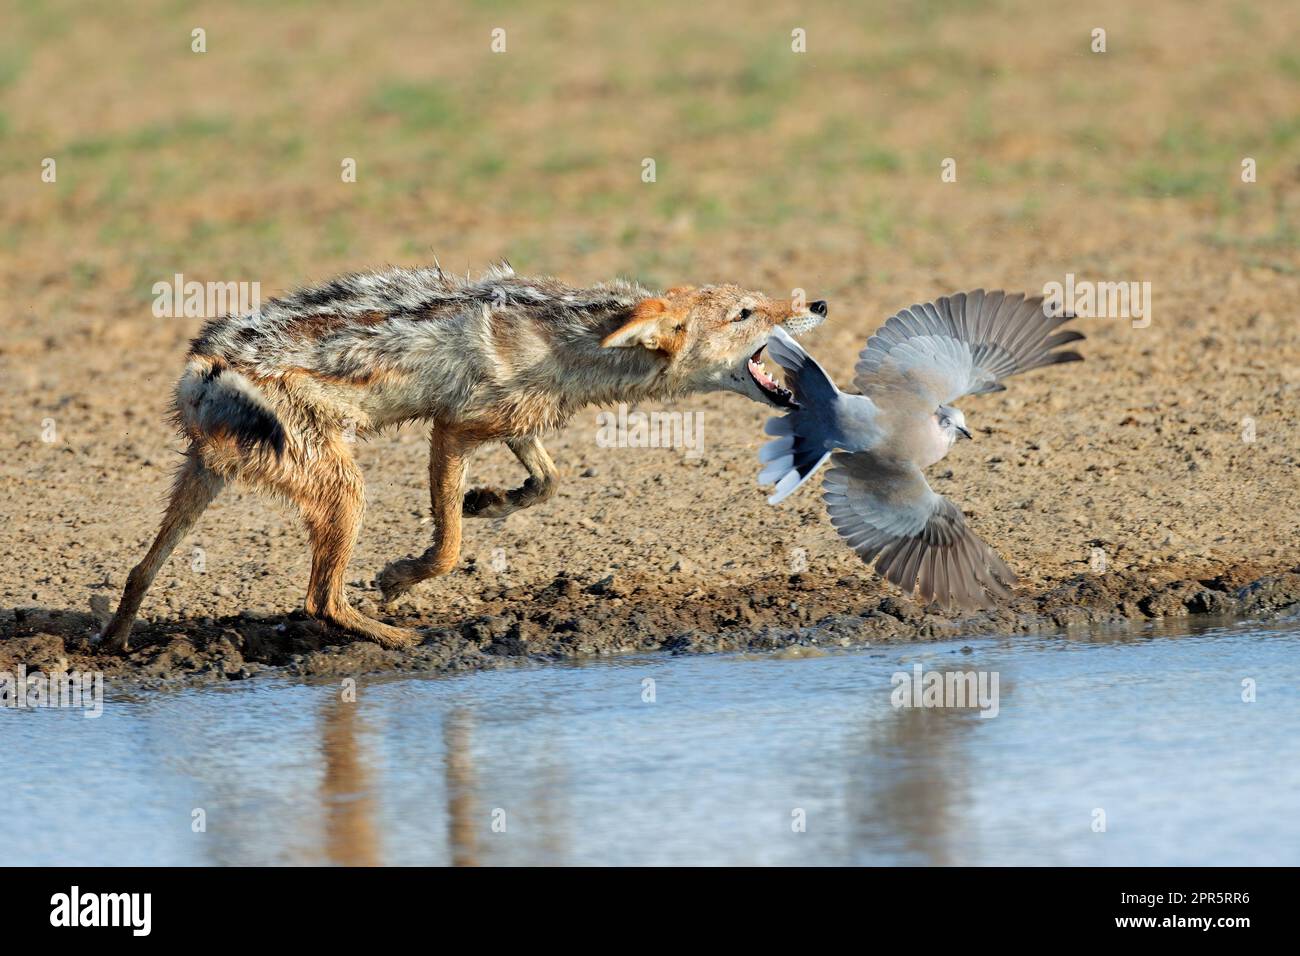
[217, 400]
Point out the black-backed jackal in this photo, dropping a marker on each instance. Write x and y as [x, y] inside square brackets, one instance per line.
[267, 398]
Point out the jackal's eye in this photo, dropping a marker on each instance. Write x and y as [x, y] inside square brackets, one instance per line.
[742, 315]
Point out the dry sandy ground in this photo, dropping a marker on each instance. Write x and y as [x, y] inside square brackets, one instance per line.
[1171, 451]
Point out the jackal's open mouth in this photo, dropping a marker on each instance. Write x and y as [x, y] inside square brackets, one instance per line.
[779, 395]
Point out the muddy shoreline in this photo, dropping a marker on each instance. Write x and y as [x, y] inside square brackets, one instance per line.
[572, 619]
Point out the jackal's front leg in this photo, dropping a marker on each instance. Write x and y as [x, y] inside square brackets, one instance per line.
[448, 455]
[540, 485]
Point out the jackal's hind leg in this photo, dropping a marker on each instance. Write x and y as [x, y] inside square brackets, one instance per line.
[196, 486]
[540, 485]
[331, 497]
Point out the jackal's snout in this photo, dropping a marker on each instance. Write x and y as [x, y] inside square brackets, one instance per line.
[799, 323]
[713, 337]
[750, 377]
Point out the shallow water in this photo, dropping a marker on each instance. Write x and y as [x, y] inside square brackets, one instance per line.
[719, 768]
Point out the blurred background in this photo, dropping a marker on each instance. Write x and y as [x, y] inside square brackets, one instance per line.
[769, 164]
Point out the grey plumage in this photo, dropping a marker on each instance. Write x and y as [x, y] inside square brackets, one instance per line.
[886, 512]
[922, 359]
[964, 345]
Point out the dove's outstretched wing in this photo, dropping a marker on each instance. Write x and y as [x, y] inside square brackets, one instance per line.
[959, 345]
[877, 496]
[887, 513]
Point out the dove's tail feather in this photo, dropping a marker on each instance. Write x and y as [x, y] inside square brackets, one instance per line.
[805, 435]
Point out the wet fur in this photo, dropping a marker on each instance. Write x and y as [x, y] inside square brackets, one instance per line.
[267, 399]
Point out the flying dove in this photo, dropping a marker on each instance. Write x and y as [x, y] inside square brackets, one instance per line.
[921, 360]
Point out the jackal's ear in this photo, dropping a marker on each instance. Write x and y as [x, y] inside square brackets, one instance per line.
[651, 326]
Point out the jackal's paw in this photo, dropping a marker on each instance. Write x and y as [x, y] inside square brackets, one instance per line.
[115, 641]
[385, 635]
[348, 619]
[114, 635]
[397, 578]
[485, 503]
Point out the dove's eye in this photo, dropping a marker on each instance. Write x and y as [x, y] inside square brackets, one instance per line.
[742, 315]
